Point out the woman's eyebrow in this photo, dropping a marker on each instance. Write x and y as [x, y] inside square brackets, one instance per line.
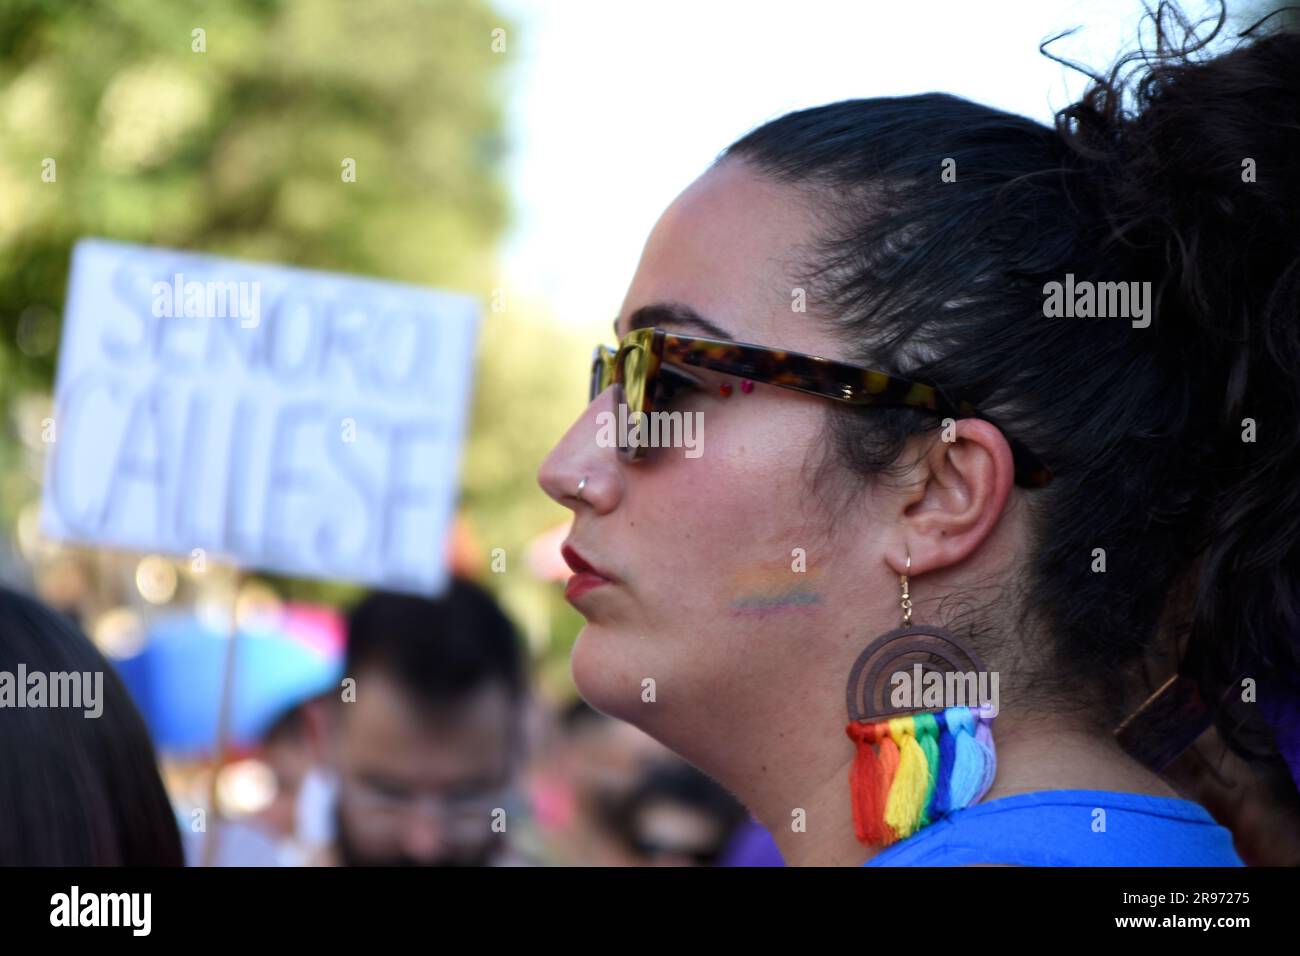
[674, 316]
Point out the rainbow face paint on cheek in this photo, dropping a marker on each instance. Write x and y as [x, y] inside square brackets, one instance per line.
[774, 591]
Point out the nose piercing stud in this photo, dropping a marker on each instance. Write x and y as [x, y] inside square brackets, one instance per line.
[746, 386]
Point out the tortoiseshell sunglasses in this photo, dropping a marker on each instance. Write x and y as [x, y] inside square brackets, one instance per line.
[641, 370]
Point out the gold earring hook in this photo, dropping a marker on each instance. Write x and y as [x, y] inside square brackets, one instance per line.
[907, 598]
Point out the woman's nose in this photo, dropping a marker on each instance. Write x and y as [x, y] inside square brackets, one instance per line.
[579, 455]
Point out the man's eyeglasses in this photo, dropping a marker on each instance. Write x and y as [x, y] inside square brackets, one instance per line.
[465, 815]
[641, 369]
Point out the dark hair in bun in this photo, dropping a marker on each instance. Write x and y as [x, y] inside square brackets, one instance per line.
[1179, 169]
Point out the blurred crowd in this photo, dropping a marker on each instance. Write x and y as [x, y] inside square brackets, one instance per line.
[434, 748]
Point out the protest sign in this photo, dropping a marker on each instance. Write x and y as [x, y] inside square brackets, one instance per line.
[281, 419]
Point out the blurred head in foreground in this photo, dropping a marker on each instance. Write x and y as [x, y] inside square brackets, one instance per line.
[427, 749]
[79, 785]
[677, 816]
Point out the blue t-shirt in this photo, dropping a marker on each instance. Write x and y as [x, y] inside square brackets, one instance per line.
[1064, 828]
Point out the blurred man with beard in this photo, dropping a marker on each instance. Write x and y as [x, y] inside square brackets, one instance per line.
[425, 755]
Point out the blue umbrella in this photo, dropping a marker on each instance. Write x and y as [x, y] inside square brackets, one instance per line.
[176, 680]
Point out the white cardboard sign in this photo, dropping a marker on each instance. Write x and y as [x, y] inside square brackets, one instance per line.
[287, 420]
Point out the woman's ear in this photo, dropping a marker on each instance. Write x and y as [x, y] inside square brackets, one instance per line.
[954, 495]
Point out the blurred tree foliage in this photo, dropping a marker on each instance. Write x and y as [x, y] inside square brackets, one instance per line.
[237, 150]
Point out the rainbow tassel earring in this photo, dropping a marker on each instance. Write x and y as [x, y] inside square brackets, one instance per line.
[916, 759]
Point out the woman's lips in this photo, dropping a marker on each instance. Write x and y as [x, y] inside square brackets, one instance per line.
[581, 583]
[585, 577]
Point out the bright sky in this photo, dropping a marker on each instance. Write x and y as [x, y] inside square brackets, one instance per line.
[620, 104]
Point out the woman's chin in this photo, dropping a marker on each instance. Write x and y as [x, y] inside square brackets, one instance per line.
[606, 671]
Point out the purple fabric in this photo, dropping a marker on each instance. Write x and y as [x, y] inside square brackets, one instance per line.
[1281, 708]
[751, 845]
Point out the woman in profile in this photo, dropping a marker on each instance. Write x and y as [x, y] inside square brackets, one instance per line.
[1093, 495]
[79, 786]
